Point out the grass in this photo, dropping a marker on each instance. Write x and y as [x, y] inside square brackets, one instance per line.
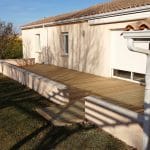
[22, 128]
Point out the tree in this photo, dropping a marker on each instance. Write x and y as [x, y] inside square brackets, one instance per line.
[10, 43]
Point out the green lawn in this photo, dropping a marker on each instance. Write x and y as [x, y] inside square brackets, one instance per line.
[22, 128]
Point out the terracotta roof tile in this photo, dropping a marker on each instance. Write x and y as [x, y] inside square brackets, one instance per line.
[101, 8]
[139, 25]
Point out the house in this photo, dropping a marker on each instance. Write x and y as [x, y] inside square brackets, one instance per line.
[89, 40]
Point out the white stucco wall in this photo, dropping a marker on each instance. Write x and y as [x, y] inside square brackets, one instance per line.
[123, 58]
[53, 91]
[29, 42]
[90, 47]
[86, 47]
[122, 123]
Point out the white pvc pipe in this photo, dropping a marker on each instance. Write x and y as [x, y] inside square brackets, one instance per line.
[131, 47]
[146, 125]
[146, 119]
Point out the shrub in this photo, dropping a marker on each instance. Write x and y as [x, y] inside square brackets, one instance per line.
[10, 43]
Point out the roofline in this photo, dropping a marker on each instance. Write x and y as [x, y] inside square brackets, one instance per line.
[137, 34]
[92, 17]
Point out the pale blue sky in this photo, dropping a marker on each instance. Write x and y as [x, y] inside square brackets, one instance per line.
[24, 11]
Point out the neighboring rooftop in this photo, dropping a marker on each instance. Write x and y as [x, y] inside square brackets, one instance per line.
[113, 5]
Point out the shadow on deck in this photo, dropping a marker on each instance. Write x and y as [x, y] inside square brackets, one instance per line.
[125, 94]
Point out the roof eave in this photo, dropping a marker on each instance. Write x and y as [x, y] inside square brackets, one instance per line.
[137, 34]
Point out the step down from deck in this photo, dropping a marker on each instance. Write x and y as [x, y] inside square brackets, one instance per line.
[59, 115]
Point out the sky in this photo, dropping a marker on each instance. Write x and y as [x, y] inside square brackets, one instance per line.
[20, 12]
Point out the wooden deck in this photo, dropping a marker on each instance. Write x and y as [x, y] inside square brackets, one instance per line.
[123, 93]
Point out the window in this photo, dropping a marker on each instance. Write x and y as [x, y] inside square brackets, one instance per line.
[38, 42]
[122, 74]
[65, 39]
[139, 77]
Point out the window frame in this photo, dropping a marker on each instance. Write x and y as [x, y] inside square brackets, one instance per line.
[65, 42]
[128, 75]
[38, 42]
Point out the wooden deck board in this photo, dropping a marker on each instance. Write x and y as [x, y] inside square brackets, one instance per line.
[126, 94]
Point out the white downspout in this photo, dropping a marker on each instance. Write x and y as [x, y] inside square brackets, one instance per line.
[146, 117]
[131, 47]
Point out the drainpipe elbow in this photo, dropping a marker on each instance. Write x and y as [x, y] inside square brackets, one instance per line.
[131, 47]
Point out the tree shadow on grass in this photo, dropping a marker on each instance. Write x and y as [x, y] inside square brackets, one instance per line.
[25, 101]
[54, 135]
[58, 134]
